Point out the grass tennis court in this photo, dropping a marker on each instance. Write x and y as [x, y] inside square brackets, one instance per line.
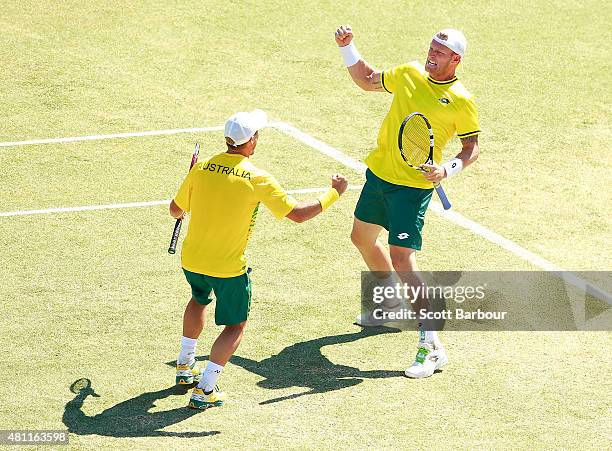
[93, 294]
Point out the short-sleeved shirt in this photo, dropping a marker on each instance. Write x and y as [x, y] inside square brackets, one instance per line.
[449, 107]
[223, 195]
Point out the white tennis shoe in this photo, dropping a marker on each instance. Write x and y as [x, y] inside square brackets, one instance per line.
[429, 358]
[368, 319]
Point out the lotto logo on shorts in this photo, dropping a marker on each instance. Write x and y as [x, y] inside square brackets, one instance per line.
[403, 236]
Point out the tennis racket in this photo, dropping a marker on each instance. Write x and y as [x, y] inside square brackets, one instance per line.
[416, 144]
[179, 222]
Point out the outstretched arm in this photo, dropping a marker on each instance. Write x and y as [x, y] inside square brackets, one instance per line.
[308, 210]
[364, 75]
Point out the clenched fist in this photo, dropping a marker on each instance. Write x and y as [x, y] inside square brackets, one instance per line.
[339, 183]
[344, 35]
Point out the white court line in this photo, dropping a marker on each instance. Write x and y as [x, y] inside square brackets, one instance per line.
[113, 136]
[453, 216]
[82, 208]
[332, 152]
[135, 204]
[322, 147]
[175, 131]
[511, 246]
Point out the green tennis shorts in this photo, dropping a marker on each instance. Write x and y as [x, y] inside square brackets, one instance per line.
[399, 209]
[233, 295]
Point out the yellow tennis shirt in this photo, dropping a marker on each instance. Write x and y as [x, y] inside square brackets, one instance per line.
[449, 107]
[223, 195]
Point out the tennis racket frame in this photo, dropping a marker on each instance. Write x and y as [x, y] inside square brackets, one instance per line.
[439, 190]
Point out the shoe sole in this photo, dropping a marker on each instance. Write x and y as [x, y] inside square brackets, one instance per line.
[188, 380]
[191, 405]
[371, 324]
[440, 365]
[180, 380]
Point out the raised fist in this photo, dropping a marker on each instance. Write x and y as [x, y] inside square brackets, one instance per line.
[339, 183]
[344, 35]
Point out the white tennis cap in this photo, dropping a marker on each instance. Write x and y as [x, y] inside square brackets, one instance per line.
[453, 39]
[240, 127]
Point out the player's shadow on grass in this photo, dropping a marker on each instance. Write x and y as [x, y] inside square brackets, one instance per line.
[129, 418]
[304, 365]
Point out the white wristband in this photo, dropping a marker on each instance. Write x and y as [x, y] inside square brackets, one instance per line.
[350, 54]
[453, 167]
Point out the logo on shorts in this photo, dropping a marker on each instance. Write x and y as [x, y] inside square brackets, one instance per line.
[444, 100]
[403, 236]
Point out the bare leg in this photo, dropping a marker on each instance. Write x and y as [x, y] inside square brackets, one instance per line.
[365, 238]
[226, 344]
[193, 319]
[404, 263]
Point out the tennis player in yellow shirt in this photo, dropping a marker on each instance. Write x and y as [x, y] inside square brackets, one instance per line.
[395, 197]
[223, 195]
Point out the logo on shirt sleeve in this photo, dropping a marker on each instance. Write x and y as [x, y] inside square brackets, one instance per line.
[444, 100]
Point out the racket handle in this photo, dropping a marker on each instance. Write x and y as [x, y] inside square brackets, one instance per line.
[175, 236]
[442, 195]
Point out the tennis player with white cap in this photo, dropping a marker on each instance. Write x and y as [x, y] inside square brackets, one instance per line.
[223, 194]
[396, 197]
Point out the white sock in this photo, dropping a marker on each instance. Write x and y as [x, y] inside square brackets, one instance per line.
[210, 376]
[427, 336]
[390, 281]
[431, 336]
[188, 348]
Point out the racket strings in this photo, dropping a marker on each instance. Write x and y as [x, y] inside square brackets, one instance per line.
[416, 141]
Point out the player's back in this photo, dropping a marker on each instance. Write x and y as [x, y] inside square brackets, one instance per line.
[223, 205]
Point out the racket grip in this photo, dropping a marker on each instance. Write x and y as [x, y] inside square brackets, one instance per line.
[175, 236]
[442, 195]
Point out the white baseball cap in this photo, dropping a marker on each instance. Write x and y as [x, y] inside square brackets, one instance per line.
[241, 126]
[453, 39]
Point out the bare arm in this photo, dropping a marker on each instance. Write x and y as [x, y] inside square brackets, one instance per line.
[366, 77]
[304, 211]
[469, 150]
[362, 73]
[469, 153]
[307, 210]
[300, 213]
[175, 210]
